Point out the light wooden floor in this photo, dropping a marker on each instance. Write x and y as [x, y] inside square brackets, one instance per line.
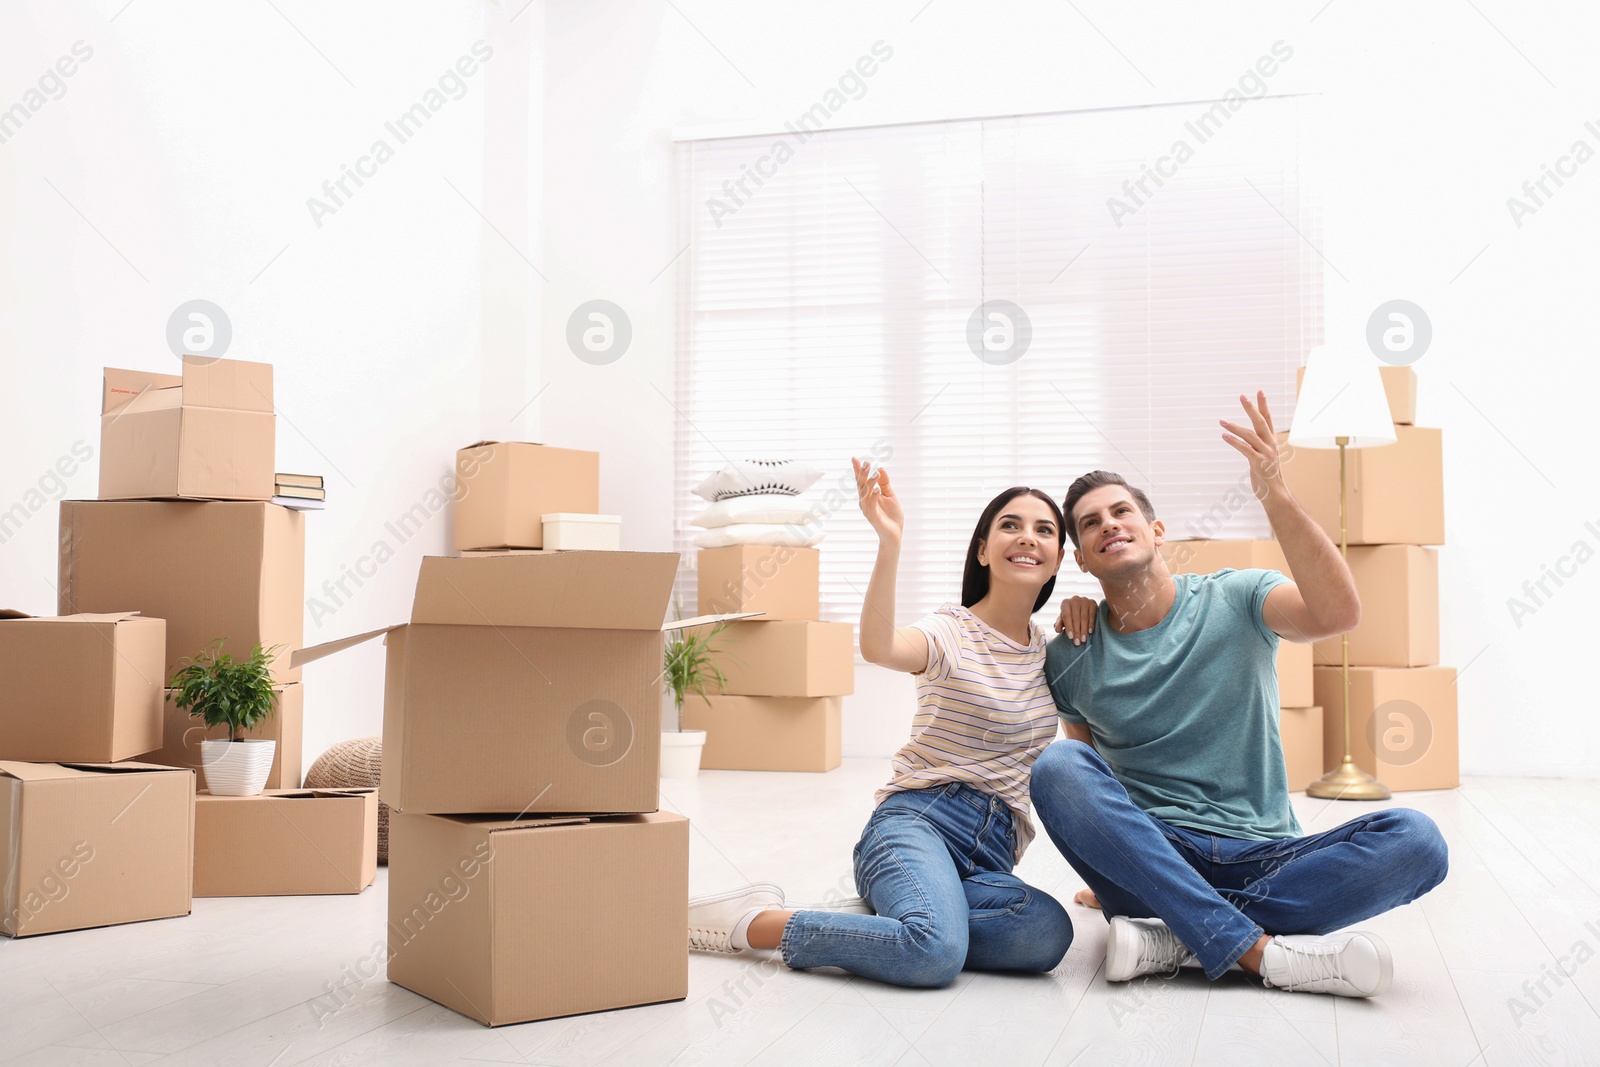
[232, 983]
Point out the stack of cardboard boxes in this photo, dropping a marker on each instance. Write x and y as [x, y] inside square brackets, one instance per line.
[1402, 703]
[531, 874]
[786, 673]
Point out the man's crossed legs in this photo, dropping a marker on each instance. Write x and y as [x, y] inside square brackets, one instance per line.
[1222, 901]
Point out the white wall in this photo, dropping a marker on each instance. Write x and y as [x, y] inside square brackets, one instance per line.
[1431, 121]
[399, 330]
[407, 325]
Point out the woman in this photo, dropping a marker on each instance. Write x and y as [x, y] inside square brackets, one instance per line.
[935, 859]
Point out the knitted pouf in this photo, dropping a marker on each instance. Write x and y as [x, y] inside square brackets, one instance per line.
[356, 764]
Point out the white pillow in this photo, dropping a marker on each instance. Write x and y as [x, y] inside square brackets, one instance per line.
[770, 508]
[748, 477]
[755, 533]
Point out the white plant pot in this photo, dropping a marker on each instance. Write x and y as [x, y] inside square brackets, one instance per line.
[680, 753]
[237, 768]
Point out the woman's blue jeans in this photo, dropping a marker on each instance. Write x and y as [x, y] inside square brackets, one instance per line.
[935, 864]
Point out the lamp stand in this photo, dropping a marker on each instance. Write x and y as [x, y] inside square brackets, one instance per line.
[1349, 782]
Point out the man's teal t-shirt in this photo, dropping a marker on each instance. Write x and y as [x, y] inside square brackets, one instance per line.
[1186, 712]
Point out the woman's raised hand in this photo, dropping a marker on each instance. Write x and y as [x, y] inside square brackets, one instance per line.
[878, 502]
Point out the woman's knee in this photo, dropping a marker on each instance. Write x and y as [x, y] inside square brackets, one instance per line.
[932, 953]
[1049, 929]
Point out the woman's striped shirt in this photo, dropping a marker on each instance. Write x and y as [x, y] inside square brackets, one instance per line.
[984, 713]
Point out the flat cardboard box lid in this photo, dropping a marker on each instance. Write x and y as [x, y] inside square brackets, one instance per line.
[45, 772]
[570, 590]
[210, 383]
[82, 616]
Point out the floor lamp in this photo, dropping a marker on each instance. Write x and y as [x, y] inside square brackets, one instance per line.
[1342, 405]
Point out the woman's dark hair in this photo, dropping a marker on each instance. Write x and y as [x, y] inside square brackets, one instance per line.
[975, 577]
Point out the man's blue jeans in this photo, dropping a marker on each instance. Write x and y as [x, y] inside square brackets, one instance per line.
[935, 864]
[1220, 894]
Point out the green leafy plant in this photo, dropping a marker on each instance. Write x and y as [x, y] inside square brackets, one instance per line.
[688, 667]
[222, 691]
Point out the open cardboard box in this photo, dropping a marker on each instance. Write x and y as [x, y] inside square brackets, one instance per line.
[208, 434]
[80, 688]
[512, 920]
[285, 842]
[526, 683]
[94, 844]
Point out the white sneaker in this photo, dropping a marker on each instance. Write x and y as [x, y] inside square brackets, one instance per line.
[712, 919]
[1143, 946]
[1349, 964]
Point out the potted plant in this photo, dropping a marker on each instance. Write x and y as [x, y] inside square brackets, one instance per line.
[238, 694]
[687, 667]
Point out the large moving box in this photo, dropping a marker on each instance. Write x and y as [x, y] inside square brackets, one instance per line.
[182, 734]
[285, 843]
[1406, 714]
[787, 659]
[766, 733]
[231, 570]
[505, 488]
[1395, 492]
[509, 921]
[1302, 734]
[526, 683]
[1399, 586]
[779, 581]
[80, 688]
[206, 435]
[94, 844]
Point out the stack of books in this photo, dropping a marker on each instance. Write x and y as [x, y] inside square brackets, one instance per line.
[303, 492]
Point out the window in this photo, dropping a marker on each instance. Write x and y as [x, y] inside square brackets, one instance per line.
[831, 287]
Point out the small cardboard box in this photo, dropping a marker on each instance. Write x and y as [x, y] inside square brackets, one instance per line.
[1399, 587]
[208, 434]
[566, 531]
[182, 734]
[1295, 660]
[1396, 492]
[93, 845]
[1406, 714]
[1302, 734]
[231, 570]
[1399, 388]
[787, 659]
[526, 683]
[509, 921]
[285, 843]
[505, 488]
[80, 688]
[779, 581]
[766, 733]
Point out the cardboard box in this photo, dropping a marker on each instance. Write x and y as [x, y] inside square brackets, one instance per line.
[1295, 661]
[80, 688]
[504, 488]
[1302, 734]
[208, 434]
[510, 921]
[766, 733]
[1399, 586]
[787, 659]
[182, 734]
[1399, 388]
[1396, 492]
[93, 845]
[526, 683]
[779, 581]
[1407, 713]
[566, 531]
[211, 570]
[285, 843]
[1210, 556]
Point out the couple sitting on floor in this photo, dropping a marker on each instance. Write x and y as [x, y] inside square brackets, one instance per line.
[1169, 796]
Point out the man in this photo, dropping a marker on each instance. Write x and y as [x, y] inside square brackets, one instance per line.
[1170, 796]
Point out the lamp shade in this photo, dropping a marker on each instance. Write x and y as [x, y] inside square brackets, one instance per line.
[1341, 396]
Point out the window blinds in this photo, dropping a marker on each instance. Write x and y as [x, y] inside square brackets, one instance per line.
[828, 297]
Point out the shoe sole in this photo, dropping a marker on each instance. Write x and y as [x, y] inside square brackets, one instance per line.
[1123, 940]
[734, 894]
[1385, 964]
